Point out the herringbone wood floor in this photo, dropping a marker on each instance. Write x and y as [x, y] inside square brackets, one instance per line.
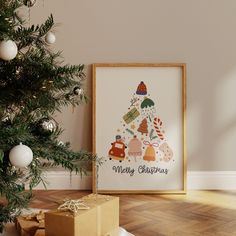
[199, 213]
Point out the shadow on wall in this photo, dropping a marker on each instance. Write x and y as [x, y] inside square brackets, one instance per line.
[211, 115]
[77, 122]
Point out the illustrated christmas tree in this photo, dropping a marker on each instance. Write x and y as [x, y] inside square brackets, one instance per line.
[141, 136]
[33, 85]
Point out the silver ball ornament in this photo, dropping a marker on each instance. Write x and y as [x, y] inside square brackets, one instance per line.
[21, 156]
[48, 125]
[8, 50]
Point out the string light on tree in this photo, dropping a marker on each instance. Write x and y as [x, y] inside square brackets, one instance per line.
[50, 38]
[21, 156]
[8, 50]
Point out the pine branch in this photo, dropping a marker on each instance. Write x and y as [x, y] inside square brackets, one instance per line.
[46, 27]
[33, 86]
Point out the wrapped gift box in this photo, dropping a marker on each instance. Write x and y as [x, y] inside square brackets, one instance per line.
[58, 223]
[101, 218]
[107, 210]
[29, 224]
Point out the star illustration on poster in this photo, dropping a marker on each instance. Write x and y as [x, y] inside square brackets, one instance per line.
[141, 135]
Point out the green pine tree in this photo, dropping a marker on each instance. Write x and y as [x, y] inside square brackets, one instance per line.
[33, 86]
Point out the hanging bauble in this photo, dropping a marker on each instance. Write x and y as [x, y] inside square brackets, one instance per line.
[8, 50]
[21, 156]
[77, 90]
[29, 3]
[50, 38]
[47, 126]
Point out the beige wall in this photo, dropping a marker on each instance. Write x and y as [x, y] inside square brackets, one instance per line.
[201, 33]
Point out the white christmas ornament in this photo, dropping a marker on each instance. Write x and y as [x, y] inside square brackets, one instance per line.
[8, 50]
[50, 38]
[21, 156]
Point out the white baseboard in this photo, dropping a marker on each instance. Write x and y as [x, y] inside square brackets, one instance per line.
[63, 180]
[196, 180]
[211, 180]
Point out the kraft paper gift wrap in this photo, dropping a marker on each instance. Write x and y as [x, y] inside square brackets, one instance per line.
[28, 227]
[101, 218]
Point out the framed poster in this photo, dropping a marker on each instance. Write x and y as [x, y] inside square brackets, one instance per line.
[139, 128]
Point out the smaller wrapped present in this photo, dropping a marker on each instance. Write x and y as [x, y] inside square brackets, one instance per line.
[93, 215]
[27, 225]
[131, 115]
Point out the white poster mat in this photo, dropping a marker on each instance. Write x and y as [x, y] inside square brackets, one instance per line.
[121, 90]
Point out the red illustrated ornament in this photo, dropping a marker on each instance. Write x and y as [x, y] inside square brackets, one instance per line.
[117, 151]
[142, 89]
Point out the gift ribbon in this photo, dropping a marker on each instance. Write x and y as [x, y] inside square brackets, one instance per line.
[151, 144]
[73, 206]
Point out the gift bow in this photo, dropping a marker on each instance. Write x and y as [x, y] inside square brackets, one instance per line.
[73, 206]
[151, 144]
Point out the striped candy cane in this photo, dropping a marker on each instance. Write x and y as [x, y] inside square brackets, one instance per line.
[157, 124]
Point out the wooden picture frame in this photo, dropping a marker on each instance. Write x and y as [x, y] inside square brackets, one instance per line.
[139, 114]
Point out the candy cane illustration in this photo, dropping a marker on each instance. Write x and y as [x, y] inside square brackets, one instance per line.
[157, 124]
